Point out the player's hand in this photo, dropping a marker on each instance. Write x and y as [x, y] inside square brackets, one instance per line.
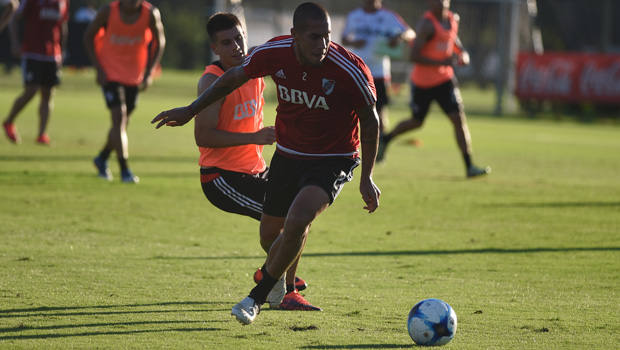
[266, 136]
[463, 59]
[174, 117]
[370, 194]
[146, 82]
[16, 50]
[102, 78]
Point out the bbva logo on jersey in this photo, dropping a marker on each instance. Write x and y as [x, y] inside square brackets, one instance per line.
[246, 109]
[299, 97]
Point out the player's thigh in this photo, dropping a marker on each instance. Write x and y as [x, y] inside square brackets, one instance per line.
[420, 103]
[233, 192]
[448, 96]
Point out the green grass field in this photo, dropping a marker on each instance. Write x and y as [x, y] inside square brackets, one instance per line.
[528, 257]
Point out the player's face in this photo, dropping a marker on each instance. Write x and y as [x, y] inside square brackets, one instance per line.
[131, 4]
[438, 5]
[231, 46]
[313, 42]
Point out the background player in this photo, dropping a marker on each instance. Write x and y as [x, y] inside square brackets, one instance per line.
[435, 50]
[364, 31]
[319, 84]
[9, 6]
[117, 42]
[41, 51]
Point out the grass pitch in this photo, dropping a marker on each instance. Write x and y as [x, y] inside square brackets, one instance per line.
[529, 257]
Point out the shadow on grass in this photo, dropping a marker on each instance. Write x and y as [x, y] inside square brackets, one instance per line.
[554, 205]
[411, 252]
[89, 334]
[89, 158]
[94, 310]
[360, 346]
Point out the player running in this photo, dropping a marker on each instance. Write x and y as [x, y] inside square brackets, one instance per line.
[326, 99]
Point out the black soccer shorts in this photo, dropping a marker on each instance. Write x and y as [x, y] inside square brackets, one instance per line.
[287, 176]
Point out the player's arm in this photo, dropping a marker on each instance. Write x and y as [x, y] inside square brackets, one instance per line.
[348, 36]
[369, 136]
[14, 33]
[7, 12]
[157, 28]
[64, 34]
[460, 52]
[424, 33]
[222, 87]
[89, 41]
[205, 125]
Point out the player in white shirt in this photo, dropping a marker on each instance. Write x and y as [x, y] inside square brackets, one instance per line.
[371, 31]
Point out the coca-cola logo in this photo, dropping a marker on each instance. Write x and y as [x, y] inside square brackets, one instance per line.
[600, 81]
[550, 78]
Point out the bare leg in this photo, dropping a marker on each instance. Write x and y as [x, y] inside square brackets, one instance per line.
[461, 131]
[45, 108]
[117, 136]
[21, 101]
[270, 229]
[309, 203]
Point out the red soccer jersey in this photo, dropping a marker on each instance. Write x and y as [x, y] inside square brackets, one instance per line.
[316, 105]
[42, 30]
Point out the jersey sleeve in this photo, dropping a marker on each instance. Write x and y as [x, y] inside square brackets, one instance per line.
[361, 87]
[348, 26]
[397, 23]
[261, 62]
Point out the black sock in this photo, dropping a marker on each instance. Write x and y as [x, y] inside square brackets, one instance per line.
[123, 163]
[467, 158]
[262, 289]
[290, 288]
[105, 154]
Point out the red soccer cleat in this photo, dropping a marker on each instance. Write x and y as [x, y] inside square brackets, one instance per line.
[295, 301]
[43, 140]
[11, 132]
[300, 284]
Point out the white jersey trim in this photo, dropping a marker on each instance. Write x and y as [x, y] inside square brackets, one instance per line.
[290, 151]
[359, 79]
[236, 196]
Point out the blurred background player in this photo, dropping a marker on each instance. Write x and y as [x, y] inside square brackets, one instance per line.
[230, 136]
[8, 7]
[366, 30]
[41, 50]
[436, 49]
[117, 42]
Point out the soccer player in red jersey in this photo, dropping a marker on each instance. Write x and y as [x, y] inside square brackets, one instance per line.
[40, 48]
[326, 99]
[118, 43]
[230, 136]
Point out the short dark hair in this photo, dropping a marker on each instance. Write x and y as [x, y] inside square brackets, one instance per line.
[308, 11]
[221, 21]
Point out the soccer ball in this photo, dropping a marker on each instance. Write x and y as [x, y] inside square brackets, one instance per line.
[431, 322]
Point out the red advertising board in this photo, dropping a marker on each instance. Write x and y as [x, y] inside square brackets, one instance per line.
[569, 77]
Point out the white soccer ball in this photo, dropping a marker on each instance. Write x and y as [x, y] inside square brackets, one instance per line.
[431, 322]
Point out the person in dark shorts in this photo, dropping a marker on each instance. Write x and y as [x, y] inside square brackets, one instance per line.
[125, 42]
[435, 51]
[41, 50]
[326, 99]
[230, 137]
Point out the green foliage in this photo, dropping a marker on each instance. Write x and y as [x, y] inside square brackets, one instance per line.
[528, 257]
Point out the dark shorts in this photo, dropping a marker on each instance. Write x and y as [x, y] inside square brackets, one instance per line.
[42, 73]
[447, 95]
[382, 96]
[235, 192]
[116, 94]
[287, 176]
